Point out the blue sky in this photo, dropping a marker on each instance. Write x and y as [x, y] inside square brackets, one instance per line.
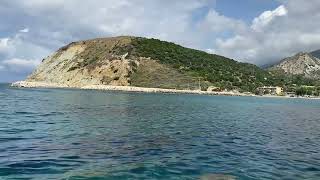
[245, 9]
[254, 31]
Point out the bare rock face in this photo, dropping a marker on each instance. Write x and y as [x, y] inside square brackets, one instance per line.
[107, 62]
[301, 64]
[114, 61]
[93, 62]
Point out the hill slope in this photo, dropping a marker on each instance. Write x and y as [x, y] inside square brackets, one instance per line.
[134, 61]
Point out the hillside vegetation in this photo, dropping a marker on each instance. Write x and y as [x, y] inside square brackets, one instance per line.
[211, 69]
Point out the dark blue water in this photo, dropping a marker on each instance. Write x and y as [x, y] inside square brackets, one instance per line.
[75, 134]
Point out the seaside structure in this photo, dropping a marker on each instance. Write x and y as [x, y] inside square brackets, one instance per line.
[291, 94]
[214, 89]
[273, 90]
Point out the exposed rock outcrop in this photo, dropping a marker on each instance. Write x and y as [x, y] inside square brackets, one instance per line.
[301, 64]
[104, 61]
[88, 63]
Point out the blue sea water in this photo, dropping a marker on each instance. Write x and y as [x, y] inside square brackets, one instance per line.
[80, 134]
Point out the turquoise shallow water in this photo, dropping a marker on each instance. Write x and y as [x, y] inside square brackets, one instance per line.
[75, 134]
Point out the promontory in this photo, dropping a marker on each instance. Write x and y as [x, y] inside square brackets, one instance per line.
[128, 61]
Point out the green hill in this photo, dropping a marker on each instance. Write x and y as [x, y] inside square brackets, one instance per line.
[211, 69]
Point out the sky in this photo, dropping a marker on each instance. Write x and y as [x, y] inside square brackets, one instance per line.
[254, 31]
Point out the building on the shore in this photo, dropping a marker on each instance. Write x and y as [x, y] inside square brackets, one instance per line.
[273, 90]
[214, 89]
[291, 94]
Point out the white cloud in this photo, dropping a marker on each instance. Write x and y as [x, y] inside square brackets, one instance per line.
[21, 45]
[17, 65]
[56, 23]
[274, 34]
[266, 17]
[21, 62]
[215, 23]
[3, 45]
[282, 32]
[19, 56]
[25, 30]
[210, 51]
[4, 42]
[154, 18]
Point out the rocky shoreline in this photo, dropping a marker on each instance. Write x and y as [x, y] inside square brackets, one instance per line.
[32, 84]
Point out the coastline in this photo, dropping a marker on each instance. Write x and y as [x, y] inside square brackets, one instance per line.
[33, 84]
[287, 97]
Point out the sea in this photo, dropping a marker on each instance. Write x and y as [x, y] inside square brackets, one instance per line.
[88, 134]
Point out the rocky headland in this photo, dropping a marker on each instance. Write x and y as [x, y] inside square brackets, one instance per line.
[138, 64]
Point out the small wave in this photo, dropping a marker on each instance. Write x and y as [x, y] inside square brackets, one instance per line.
[51, 114]
[217, 177]
[24, 112]
[40, 164]
[16, 131]
[11, 139]
[3, 94]
[70, 157]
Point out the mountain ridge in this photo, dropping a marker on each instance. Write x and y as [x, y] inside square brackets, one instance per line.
[302, 63]
[316, 53]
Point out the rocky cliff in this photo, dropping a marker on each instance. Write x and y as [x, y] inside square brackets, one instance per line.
[105, 61]
[85, 63]
[303, 64]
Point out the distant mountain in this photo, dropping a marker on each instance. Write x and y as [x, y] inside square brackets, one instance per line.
[303, 64]
[316, 53]
[268, 65]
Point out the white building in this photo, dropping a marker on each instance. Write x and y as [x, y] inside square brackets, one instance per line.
[273, 90]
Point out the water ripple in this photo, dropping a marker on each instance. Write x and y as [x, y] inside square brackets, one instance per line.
[73, 134]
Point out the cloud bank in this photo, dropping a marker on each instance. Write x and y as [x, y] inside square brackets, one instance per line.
[275, 34]
[36, 28]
